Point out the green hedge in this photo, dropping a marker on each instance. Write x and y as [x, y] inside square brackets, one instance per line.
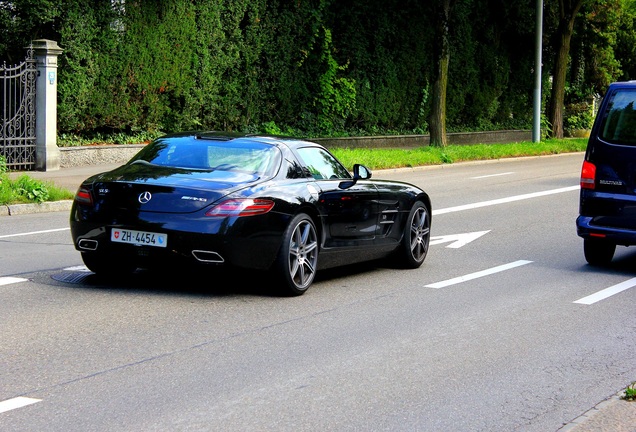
[312, 67]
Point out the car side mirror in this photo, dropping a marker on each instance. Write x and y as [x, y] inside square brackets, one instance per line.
[360, 172]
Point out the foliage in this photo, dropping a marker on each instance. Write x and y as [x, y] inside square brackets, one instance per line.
[6, 193]
[630, 392]
[337, 97]
[431, 155]
[5, 184]
[75, 140]
[317, 67]
[22, 21]
[33, 190]
[25, 189]
[579, 117]
[87, 38]
[625, 46]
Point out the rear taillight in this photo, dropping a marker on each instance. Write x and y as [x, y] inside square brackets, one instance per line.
[588, 175]
[83, 196]
[241, 207]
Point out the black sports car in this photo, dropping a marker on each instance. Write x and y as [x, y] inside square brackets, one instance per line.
[283, 205]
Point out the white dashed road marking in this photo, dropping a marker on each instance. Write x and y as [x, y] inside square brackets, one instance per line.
[15, 403]
[607, 292]
[9, 280]
[478, 274]
[80, 268]
[504, 200]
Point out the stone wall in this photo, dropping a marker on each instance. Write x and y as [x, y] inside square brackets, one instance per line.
[119, 153]
[412, 141]
[97, 155]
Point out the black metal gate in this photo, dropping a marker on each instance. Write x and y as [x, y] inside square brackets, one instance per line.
[17, 107]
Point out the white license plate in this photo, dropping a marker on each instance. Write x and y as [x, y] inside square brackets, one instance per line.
[138, 237]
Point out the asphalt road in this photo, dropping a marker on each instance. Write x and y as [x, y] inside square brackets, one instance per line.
[504, 327]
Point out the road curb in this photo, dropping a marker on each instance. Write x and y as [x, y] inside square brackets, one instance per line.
[49, 206]
[613, 414]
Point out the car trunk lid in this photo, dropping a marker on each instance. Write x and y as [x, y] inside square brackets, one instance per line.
[164, 190]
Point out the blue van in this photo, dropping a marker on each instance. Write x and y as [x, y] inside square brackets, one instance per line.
[607, 205]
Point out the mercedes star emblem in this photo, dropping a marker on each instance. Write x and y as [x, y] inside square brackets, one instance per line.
[144, 197]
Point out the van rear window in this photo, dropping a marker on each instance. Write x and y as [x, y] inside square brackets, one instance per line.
[619, 118]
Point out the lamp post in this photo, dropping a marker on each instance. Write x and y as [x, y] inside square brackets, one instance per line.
[536, 127]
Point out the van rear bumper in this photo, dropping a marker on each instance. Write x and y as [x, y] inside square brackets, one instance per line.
[620, 236]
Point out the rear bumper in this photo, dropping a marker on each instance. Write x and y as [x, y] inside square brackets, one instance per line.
[620, 236]
[244, 244]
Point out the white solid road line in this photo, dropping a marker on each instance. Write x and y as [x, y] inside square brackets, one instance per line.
[504, 200]
[6, 280]
[18, 402]
[478, 274]
[491, 175]
[435, 212]
[34, 232]
[607, 292]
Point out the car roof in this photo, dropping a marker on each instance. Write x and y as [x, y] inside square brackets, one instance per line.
[229, 136]
[626, 84]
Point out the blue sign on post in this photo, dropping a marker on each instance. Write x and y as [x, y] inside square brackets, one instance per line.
[51, 77]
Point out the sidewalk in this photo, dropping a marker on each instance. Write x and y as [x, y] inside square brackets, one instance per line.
[611, 415]
[68, 178]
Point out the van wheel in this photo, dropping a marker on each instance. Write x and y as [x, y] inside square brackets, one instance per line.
[598, 252]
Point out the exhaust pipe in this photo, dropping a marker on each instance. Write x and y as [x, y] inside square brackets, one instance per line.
[208, 256]
[85, 244]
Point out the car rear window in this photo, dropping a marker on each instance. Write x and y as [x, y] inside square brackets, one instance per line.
[619, 118]
[212, 155]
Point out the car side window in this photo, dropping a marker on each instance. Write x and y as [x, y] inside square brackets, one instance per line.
[322, 165]
[619, 125]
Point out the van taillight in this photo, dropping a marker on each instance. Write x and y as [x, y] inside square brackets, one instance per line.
[588, 175]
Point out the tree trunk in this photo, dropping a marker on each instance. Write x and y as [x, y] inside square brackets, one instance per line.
[437, 120]
[567, 14]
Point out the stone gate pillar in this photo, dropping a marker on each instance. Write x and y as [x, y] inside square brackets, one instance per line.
[47, 154]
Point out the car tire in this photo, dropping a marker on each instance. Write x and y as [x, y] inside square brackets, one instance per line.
[415, 240]
[297, 259]
[104, 265]
[598, 252]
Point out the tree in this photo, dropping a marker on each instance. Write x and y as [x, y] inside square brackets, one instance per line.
[441, 48]
[568, 10]
[625, 50]
[22, 21]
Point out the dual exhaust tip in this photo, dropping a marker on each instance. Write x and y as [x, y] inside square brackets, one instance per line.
[208, 256]
[89, 245]
[200, 255]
